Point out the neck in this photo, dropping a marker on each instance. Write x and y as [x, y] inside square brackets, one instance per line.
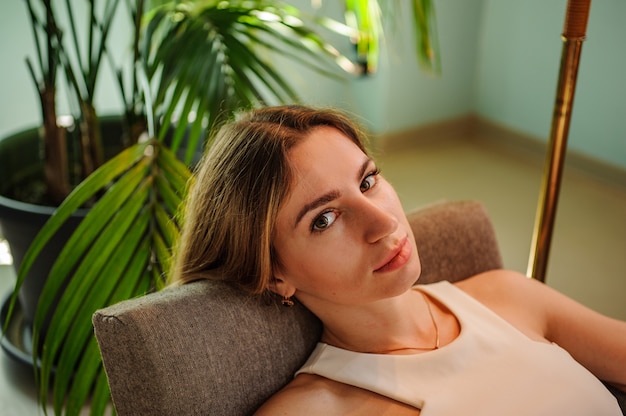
[396, 325]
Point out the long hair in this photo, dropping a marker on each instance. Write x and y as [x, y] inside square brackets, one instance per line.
[229, 219]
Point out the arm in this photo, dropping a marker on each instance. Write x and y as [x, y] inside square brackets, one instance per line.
[314, 395]
[594, 340]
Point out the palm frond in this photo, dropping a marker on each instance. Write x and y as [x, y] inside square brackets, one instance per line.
[120, 250]
[224, 50]
[368, 18]
[426, 37]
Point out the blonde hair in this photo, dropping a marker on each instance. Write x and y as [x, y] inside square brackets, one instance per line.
[238, 189]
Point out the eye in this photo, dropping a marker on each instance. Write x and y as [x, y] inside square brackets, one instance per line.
[369, 181]
[323, 221]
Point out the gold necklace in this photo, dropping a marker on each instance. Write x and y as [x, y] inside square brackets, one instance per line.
[432, 318]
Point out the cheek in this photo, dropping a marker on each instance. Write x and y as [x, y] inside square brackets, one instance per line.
[319, 264]
[392, 199]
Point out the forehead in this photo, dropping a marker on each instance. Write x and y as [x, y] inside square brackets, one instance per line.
[325, 151]
[325, 161]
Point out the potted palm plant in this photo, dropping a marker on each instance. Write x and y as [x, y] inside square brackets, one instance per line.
[193, 64]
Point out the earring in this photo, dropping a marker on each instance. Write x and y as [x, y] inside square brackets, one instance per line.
[286, 301]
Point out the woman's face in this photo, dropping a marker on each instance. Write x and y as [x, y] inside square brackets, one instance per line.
[341, 237]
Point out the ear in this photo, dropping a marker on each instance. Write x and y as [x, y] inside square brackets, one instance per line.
[281, 286]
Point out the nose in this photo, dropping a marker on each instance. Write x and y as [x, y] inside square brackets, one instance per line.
[378, 221]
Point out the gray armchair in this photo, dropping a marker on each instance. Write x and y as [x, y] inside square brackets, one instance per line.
[207, 349]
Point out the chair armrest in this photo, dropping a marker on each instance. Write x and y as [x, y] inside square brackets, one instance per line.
[202, 348]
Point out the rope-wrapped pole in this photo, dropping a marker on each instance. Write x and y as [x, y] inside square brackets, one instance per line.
[573, 36]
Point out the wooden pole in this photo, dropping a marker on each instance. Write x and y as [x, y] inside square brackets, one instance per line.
[573, 36]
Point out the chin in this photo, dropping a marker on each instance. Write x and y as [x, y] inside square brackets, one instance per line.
[416, 272]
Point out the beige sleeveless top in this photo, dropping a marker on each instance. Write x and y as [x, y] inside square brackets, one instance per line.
[490, 369]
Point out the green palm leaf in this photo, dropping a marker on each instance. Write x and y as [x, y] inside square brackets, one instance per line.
[101, 395]
[71, 318]
[426, 39]
[367, 18]
[81, 195]
[210, 59]
[120, 250]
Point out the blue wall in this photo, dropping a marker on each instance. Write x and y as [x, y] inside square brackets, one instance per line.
[19, 105]
[519, 53]
[500, 60]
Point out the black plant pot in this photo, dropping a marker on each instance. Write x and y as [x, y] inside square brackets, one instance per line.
[20, 162]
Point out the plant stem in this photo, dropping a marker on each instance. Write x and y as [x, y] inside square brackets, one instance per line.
[55, 147]
[91, 140]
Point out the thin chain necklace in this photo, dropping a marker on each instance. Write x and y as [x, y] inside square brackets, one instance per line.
[432, 318]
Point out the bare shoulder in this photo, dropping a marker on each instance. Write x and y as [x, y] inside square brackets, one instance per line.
[544, 314]
[510, 289]
[501, 286]
[309, 394]
[493, 282]
[519, 300]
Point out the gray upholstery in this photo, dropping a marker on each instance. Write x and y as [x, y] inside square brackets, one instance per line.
[208, 349]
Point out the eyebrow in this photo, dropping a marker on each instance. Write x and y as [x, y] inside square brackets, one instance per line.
[329, 196]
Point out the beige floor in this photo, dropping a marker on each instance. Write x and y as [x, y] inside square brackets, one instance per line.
[588, 256]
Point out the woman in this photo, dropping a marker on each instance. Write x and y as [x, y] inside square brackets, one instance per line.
[289, 202]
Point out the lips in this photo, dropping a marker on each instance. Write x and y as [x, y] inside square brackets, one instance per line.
[397, 258]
